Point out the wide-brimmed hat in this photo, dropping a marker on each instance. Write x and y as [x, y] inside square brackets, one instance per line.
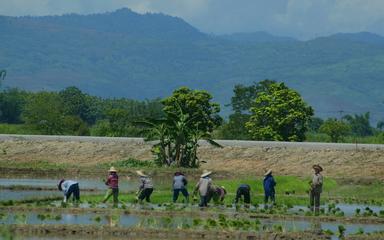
[206, 173]
[112, 169]
[140, 173]
[268, 172]
[318, 167]
[59, 185]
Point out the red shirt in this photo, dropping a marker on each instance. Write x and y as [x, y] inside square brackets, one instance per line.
[113, 181]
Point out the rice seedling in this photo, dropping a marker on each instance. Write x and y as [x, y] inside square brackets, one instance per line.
[341, 231]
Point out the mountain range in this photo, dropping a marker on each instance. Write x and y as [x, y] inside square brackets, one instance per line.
[144, 56]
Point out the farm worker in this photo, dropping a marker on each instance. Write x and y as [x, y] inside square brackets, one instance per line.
[145, 187]
[203, 186]
[180, 185]
[68, 187]
[269, 187]
[113, 186]
[244, 190]
[217, 193]
[316, 188]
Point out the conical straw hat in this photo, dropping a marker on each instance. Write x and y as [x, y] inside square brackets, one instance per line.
[140, 173]
[206, 173]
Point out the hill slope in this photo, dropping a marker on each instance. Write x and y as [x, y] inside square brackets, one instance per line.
[146, 56]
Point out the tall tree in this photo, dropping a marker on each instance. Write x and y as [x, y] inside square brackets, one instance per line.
[43, 111]
[360, 125]
[380, 125]
[335, 129]
[242, 101]
[244, 96]
[314, 124]
[189, 116]
[197, 105]
[75, 104]
[12, 102]
[279, 114]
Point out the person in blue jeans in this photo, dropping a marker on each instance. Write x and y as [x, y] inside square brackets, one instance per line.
[269, 187]
[180, 185]
[69, 187]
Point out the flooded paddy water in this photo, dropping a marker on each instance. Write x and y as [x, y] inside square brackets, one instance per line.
[184, 222]
[343, 209]
[31, 188]
[18, 189]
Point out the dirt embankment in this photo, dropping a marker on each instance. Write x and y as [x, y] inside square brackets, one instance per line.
[240, 158]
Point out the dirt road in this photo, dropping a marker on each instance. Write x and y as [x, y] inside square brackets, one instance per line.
[245, 157]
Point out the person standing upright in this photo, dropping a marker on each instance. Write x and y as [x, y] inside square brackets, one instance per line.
[113, 186]
[180, 185]
[316, 188]
[203, 187]
[269, 184]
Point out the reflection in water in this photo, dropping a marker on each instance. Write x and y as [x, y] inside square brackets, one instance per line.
[125, 220]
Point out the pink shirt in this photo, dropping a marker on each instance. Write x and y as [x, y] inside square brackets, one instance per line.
[113, 181]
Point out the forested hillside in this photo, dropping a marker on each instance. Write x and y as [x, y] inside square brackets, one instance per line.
[125, 54]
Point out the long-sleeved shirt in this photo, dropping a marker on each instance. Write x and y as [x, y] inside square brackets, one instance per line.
[145, 182]
[66, 185]
[203, 185]
[179, 182]
[269, 185]
[317, 182]
[112, 181]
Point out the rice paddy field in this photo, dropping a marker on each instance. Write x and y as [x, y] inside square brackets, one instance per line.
[351, 205]
[31, 208]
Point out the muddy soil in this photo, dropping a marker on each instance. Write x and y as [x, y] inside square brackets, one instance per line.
[355, 163]
[105, 232]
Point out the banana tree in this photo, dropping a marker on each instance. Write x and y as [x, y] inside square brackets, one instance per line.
[197, 135]
[158, 130]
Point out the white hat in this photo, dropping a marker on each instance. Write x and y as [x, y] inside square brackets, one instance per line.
[112, 169]
[268, 172]
[140, 173]
[206, 173]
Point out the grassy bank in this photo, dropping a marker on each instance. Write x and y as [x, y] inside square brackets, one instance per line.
[17, 129]
[290, 190]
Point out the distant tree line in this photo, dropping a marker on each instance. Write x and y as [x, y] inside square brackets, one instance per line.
[73, 112]
[267, 110]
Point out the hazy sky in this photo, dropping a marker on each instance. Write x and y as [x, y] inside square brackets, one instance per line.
[298, 18]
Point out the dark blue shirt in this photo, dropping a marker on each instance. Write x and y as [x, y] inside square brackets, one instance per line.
[269, 185]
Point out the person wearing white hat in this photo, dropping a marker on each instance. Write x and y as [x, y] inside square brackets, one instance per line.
[203, 187]
[113, 186]
[316, 188]
[269, 184]
[145, 187]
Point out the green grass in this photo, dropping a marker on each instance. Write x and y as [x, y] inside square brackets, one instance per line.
[17, 129]
[320, 137]
[290, 190]
[36, 165]
[128, 163]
